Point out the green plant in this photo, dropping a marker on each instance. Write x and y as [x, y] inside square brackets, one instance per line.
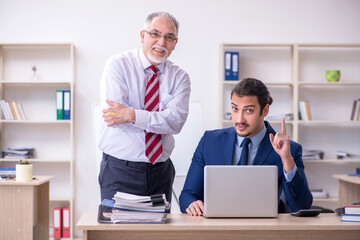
[24, 162]
[34, 69]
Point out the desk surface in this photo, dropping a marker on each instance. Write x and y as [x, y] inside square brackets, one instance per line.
[347, 178]
[37, 181]
[181, 222]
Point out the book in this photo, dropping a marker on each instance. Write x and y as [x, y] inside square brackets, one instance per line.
[4, 109]
[350, 218]
[13, 111]
[17, 110]
[304, 111]
[21, 111]
[308, 113]
[355, 112]
[352, 209]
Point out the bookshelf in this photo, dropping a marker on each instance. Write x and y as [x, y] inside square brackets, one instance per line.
[53, 139]
[296, 72]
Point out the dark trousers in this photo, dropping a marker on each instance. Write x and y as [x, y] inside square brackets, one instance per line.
[138, 178]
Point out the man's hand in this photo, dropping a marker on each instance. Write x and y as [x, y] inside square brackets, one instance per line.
[118, 114]
[196, 208]
[281, 145]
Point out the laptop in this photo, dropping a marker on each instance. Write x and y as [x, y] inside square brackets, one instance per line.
[240, 191]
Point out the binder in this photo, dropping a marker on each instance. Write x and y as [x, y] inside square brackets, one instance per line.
[227, 63]
[235, 66]
[66, 223]
[57, 222]
[66, 95]
[59, 105]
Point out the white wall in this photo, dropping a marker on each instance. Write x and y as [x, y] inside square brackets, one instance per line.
[101, 28]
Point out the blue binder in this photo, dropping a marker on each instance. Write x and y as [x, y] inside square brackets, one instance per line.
[235, 66]
[227, 66]
[67, 104]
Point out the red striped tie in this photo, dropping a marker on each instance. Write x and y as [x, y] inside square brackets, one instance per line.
[152, 140]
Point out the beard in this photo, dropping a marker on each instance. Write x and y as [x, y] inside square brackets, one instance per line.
[157, 60]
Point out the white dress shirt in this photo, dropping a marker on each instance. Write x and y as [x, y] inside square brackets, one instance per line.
[124, 81]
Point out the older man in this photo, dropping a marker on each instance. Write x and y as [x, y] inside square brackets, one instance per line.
[146, 100]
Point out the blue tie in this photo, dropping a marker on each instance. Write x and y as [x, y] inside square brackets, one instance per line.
[245, 151]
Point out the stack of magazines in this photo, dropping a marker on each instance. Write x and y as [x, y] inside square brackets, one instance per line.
[130, 208]
[19, 153]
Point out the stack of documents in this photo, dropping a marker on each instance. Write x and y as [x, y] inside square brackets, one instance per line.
[130, 208]
[319, 193]
[19, 153]
[313, 155]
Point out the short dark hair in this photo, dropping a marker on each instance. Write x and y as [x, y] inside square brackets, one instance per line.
[167, 15]
[253, 87]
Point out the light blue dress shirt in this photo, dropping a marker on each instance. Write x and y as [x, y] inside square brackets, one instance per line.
[253, 148]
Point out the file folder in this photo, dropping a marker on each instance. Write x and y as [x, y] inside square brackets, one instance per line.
[67, 105]
[57, 222]
[227, 62]
[66, 223]
[235, 66]
[59, 105]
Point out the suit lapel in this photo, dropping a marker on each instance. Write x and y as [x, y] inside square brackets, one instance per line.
[265, 146]
[228, 142]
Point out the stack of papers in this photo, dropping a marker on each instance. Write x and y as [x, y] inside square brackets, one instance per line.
[19, 153]
[313, 155]
[319, 193]
[130, 208]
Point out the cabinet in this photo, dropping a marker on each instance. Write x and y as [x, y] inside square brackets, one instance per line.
[296, 72]
[53, 139]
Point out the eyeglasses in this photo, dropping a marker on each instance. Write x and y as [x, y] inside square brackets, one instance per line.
[167, 37]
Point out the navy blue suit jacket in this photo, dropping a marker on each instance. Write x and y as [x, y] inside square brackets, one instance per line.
[217, 147]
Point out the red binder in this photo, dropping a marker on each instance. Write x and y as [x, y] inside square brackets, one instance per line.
[66, 223]
[57, 222]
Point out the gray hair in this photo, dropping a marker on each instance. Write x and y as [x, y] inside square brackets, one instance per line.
[153, 15]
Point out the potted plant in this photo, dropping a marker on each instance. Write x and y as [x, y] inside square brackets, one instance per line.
[24, 171]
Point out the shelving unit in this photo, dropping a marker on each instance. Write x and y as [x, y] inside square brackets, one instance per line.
[53, 139]
[296, 72]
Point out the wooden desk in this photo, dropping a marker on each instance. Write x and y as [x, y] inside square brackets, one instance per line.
[180, 226]
[348, 189]
[24, 209]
